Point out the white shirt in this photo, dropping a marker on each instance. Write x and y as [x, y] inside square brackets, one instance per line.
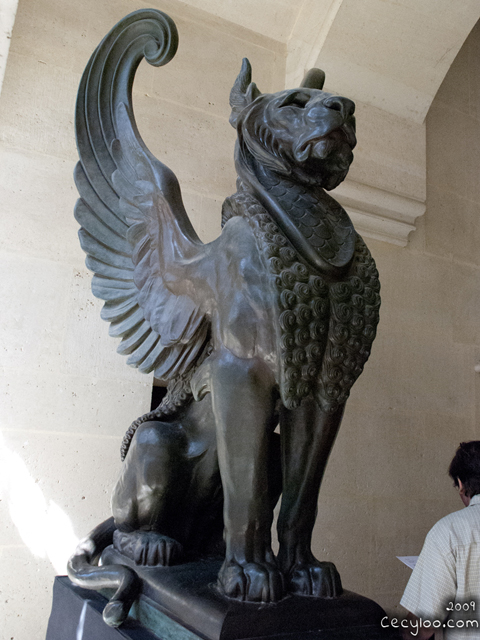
[448, 574]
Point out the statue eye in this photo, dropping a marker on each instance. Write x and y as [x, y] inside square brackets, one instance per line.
[295, 99]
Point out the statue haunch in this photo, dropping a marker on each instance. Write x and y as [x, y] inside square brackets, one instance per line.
[270, 324]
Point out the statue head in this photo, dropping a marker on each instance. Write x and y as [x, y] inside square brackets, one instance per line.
[306, 133]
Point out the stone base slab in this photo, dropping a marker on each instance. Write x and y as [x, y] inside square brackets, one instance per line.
[183, 603]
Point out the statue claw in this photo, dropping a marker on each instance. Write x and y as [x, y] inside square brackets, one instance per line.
[148, 548]
[317, 579]
[251, 581]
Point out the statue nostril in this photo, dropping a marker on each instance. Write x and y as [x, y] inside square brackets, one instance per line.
[333, 103]
[345, 106]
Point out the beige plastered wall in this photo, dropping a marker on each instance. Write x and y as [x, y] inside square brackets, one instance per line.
[67, 397]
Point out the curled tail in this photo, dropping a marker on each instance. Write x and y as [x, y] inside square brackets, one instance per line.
[83, 571]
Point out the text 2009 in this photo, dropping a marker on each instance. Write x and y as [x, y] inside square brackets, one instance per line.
[456, 606]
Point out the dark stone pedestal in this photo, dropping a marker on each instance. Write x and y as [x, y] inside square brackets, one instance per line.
[77, 615]
[182, 603]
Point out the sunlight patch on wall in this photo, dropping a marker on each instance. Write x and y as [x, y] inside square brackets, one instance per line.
[8, 10]
[44, 527]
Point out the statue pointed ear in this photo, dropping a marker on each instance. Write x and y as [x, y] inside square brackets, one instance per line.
[243, 92]
[314, 79]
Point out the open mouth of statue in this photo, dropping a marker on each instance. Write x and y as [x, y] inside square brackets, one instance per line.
[340, 141]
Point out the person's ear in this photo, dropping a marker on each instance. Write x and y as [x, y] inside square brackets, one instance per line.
[461, 490]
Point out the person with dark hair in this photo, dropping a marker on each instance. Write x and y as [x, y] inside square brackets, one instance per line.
[465, 469]
[444, 589]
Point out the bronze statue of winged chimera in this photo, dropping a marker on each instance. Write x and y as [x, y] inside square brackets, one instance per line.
[270, 324]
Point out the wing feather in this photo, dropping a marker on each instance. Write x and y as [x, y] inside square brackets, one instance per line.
[120, 327]
[108, 270]
[143, 350]
[135, 233]
[177, 324]
[117, 310]
[114, 220]
[181, 357]
[149, 363]
[134, 338]
[97, 250]
[100, 231]
[108, 289]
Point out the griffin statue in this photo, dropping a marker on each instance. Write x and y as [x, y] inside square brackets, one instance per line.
[270, 324]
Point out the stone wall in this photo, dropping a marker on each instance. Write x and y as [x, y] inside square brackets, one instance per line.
[67, 397]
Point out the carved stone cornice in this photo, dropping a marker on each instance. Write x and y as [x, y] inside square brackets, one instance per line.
[377, 213]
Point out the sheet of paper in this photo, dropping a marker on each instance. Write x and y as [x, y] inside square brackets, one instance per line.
[410, 561]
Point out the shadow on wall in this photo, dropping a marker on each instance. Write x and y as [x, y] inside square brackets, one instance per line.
[43, 526]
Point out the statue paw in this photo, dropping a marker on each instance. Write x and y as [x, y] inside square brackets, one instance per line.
[317, 579]
[148, 547]
[251, 581]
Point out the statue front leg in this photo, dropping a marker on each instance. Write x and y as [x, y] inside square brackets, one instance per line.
[307, 436]
[243, 399]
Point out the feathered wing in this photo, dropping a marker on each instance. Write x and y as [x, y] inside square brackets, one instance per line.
[135, 231]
